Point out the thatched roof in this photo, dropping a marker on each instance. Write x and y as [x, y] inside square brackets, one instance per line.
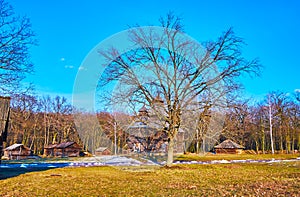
[101, 149]
[15, 146]
[228, 144]
[50, 146]
[63, 145]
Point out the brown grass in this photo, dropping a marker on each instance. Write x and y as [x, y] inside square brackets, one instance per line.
[275, 179]
[210, 157]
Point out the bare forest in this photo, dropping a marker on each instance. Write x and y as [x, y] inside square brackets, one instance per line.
[37, 122]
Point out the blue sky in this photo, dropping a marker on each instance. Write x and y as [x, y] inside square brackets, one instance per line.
[68, 29]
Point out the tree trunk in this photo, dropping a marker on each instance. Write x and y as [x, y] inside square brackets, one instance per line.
[1, 147]
[203, 145]
[281, 142]
[256, 146]
[293, 141]
[288, 143]
[54, 138]
[170, 152]
[263, 144]
[298, 142]
[33, 137]
[197, 141]
[262, 138]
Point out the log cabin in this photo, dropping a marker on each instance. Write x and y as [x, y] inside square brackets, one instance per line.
[64, 149]
[102, 151]
[17, 151]
[229, 147]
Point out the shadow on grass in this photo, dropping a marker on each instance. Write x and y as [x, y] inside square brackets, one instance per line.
[6, 173]
[16, 168]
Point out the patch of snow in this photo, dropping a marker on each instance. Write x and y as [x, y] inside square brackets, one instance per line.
[110, 161]
[219, 161]
[239, 161]
[125, 161]
[23, 165]
[224, 161]
[1, 166]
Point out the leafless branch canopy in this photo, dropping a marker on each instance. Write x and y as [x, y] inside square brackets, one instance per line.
[16, 38]
[186, 75]
[177, 67]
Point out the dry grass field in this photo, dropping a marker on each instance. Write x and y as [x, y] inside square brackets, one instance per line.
[259, 179]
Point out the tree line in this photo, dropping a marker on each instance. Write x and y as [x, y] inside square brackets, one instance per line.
[39, 121]
[278, 115]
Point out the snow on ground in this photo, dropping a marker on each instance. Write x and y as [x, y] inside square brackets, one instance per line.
[124, 161]
[110, 161]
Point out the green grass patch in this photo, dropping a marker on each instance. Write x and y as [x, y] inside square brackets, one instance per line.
[274, 179]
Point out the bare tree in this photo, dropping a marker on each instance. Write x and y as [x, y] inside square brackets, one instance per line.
[178, 68]
[37, 122]
[93, 133]
[16, 38]
[238, 122]
[24, 107]
[281, 116]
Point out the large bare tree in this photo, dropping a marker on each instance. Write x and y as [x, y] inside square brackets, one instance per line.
[176, 67]
[16, 38]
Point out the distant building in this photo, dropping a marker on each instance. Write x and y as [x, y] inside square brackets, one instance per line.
[229, 147]
[65, 149]
[102, 151]
[49, 150]
[17, 151]
[147, 132]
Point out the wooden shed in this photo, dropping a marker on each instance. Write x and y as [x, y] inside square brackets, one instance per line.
[229, 147]
[102, 151]
[65, 149]
[49, 150]
[17, 151]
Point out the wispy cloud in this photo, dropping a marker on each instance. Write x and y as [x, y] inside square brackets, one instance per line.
[81, 68]
[297, 90]
[69, 66]
[62, 59]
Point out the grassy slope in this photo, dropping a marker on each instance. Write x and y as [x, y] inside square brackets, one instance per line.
[276, 179]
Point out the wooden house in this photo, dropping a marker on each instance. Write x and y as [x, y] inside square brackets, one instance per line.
[229, 147]
[147, 134]
[65, 149]
[49, 150]
[17, 151]
[102, 151]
